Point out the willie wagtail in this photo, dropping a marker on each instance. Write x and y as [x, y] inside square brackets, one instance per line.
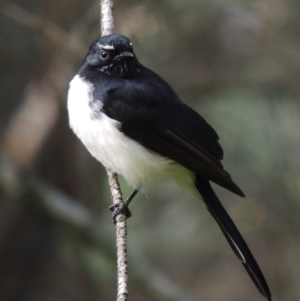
[133, 122]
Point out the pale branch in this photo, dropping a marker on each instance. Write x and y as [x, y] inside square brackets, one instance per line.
[107, 27]
[121, 232]
[107, 19]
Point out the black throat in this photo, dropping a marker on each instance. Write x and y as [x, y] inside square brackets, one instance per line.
[126, 68]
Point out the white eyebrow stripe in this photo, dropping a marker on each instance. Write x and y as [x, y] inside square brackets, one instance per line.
[107, 47]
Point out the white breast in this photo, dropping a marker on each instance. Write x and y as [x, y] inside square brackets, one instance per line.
[110, 146]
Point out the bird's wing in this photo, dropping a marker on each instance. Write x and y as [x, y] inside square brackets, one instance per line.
[169, 128]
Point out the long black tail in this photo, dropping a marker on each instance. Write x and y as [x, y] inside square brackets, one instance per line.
[232, 235]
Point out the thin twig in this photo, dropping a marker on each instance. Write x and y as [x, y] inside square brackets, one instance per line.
[107, 27]
[121, 233]
[107, 19]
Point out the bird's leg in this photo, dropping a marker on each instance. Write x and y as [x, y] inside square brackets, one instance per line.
[123, 207]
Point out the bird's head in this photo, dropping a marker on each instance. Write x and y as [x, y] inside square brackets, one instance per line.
[113, 55]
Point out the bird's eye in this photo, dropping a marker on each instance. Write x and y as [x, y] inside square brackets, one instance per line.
[104, 55]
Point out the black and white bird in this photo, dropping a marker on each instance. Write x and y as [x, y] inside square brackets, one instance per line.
[133, 122]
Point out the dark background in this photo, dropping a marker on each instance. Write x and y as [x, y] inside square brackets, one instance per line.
[235, 62]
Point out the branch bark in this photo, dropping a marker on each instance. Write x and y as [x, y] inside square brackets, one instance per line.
[121, 233]
[107, 27]
[107, 19]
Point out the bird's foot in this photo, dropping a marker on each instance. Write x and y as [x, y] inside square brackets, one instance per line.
[123, 207]
[119, 208]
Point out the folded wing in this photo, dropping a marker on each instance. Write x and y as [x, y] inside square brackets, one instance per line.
[171, 129]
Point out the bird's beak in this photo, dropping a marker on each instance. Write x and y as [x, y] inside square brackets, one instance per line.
[124, 54]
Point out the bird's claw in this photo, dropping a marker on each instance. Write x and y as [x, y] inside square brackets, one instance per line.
[119, 208]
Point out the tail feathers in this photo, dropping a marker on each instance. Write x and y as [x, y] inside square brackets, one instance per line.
[233, 236]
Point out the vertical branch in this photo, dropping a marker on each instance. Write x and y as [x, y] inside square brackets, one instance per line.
[107, 27]
[121, 232]
[107, 18]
